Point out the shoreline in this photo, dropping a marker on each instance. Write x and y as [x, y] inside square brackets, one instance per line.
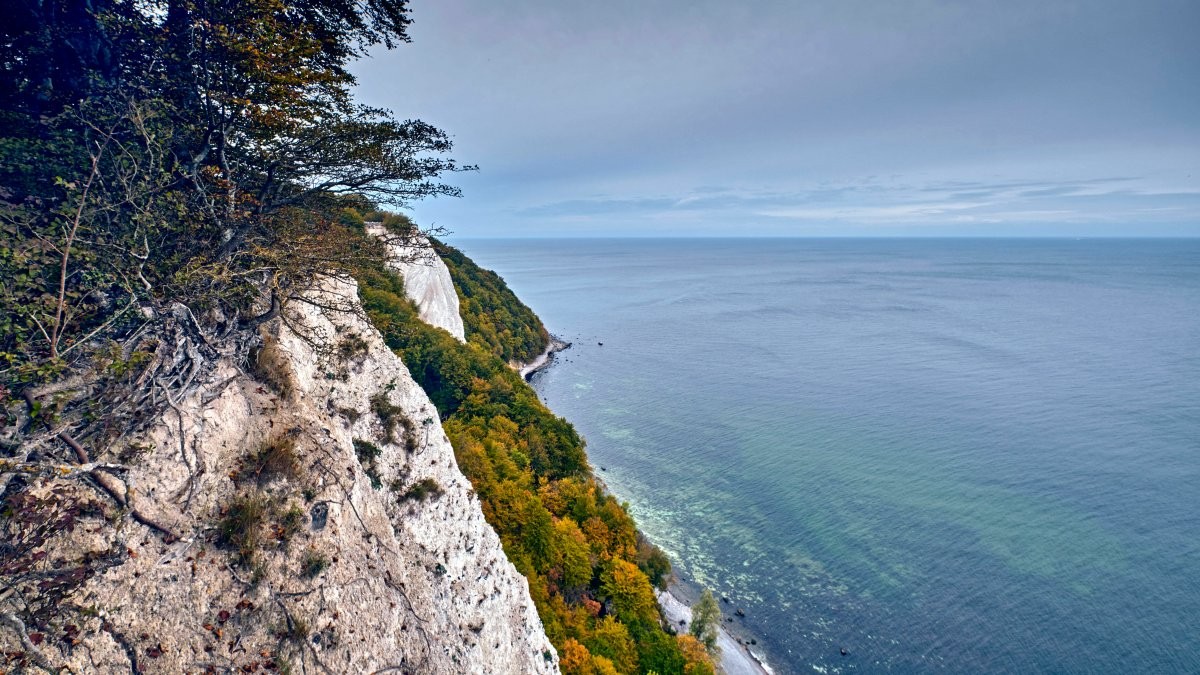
[737, 657]
[542, 361]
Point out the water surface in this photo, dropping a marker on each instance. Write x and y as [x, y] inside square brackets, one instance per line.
[941, 455]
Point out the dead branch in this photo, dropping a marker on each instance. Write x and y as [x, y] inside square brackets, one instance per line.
[14, 622]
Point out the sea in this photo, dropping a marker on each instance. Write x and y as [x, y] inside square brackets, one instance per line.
[938, 455]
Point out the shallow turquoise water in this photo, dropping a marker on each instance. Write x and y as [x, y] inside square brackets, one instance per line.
[945, 455]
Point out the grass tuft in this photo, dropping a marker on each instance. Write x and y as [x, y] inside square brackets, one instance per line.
[240, 525]
[275, 459]
[313, 563]
[426, 488]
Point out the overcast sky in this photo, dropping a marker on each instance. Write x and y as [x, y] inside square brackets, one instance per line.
[826, 118]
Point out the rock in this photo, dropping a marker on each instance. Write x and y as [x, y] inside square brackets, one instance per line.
[843, 651]
[397, 586]
[427, 280]
[740, 613]
[319, 515]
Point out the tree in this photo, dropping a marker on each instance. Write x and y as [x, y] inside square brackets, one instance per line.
[172, 174]
[163, 152]
[653, 562]
[630, 593]
[706, 620]
[696, 657]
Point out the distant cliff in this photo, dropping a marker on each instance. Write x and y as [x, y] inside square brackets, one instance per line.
[426, 279]
[590, 572]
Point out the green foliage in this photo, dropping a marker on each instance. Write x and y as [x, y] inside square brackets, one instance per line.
[706, 620]
[653, 562]
[76, 225]
[426, 488]
[493, 316]
[589, 573]
[395, 223]
[367, 454]
[240, 525]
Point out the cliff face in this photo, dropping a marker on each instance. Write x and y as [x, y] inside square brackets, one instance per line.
[427, 282]
[324, 526]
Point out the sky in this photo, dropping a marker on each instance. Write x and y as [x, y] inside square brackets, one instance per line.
[817, 118]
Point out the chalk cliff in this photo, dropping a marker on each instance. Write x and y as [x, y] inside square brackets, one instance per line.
[427, 282]
[324, 525]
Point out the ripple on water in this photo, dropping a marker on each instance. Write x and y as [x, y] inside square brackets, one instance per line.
[959, 456]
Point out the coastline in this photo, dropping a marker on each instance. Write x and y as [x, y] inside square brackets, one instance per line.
[543, 360]
[737, 656]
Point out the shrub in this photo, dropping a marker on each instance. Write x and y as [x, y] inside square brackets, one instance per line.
[389, 414]
[351, 346]
[426, 488]
[240, 525]
[313, 563]
[367, 453]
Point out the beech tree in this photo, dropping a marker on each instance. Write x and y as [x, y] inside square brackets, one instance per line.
[173, 171]
[177, 151]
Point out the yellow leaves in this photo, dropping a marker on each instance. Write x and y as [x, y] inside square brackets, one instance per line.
[630, 592]
[598, 536]
[572, 554]
[575, 659]
[552, 497]
[696, 659]
[610, 640]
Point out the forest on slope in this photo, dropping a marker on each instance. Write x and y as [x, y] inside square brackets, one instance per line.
[173, 175]
[493, 316]
[591, 573]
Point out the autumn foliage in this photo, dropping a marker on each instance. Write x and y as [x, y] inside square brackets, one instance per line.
[590, 573]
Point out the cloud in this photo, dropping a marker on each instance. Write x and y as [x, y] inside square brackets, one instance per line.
[586, 115]
[876, 203]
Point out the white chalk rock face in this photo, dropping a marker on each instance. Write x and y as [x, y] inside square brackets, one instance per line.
[385, 564]
[427, 281]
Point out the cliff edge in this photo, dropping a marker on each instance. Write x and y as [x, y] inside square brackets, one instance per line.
[320, 521]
